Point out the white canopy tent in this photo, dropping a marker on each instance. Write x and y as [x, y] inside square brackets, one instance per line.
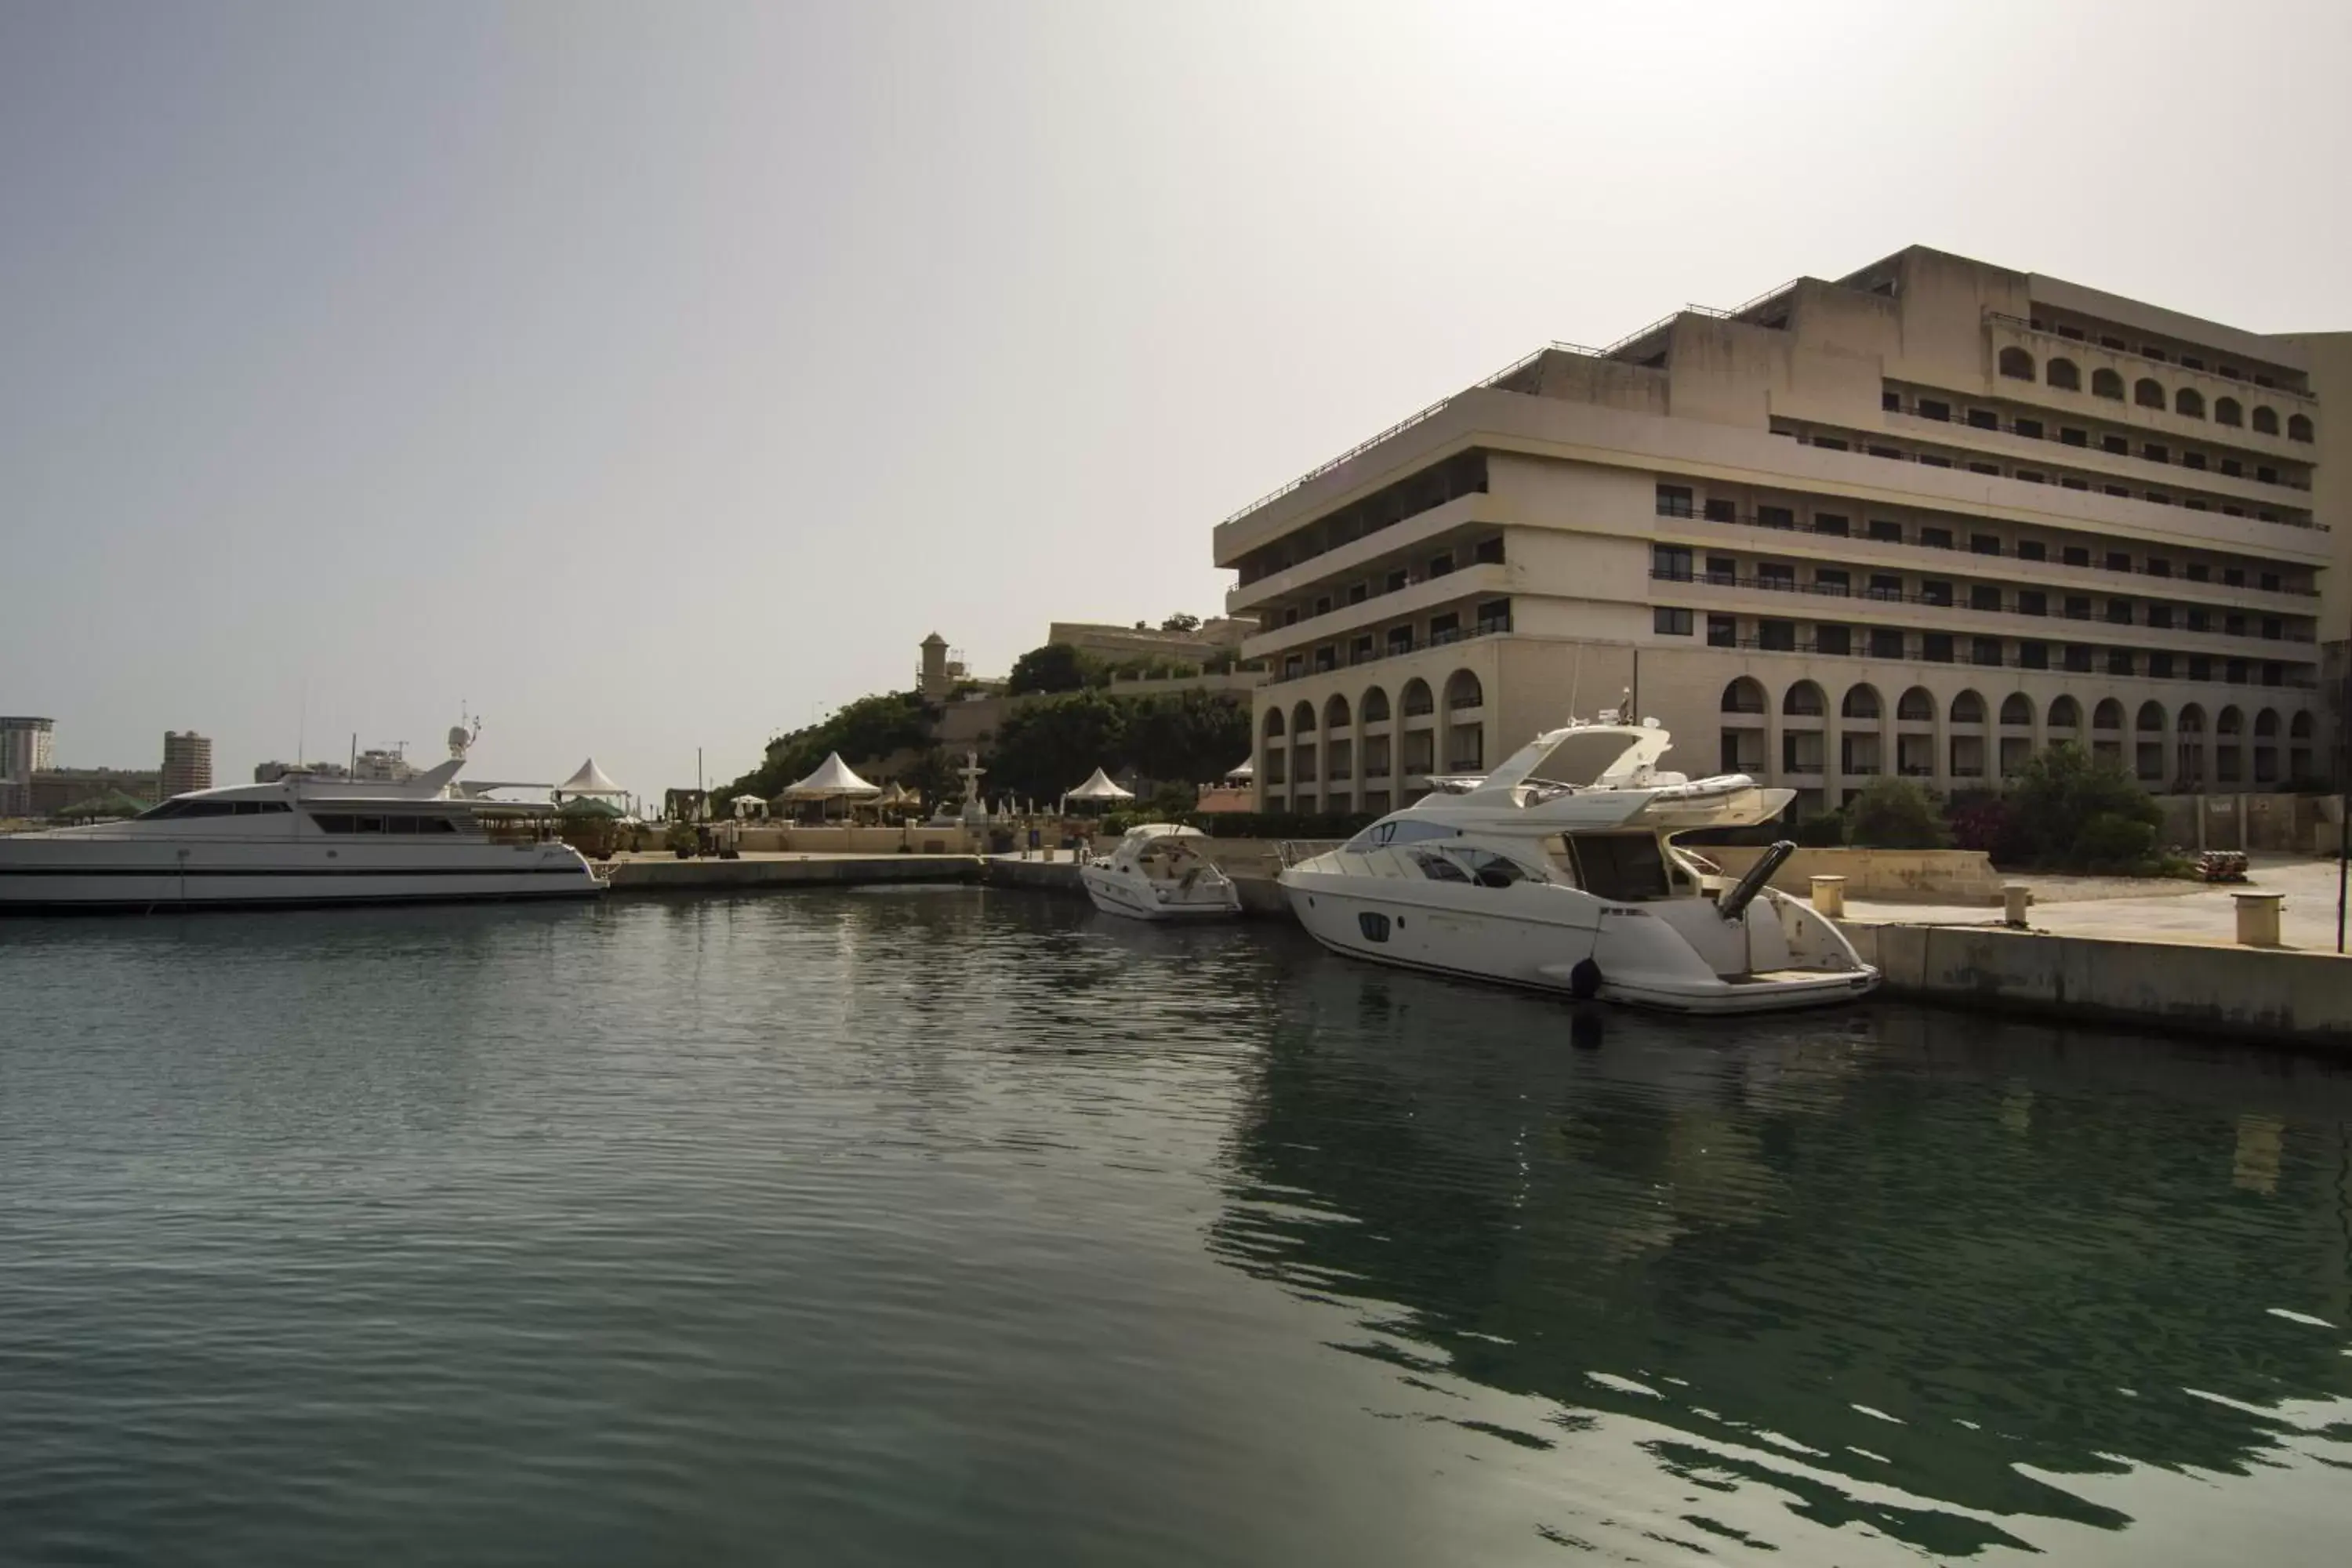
[1099, 789]
[746, 804]
[1242, 774]
[831, 780]
[590, 781]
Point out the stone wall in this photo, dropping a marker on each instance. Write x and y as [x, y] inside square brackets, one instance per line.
[1961, 876]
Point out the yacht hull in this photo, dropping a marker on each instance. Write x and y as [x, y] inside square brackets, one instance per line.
[1134, 897]
[31, 880]
[1577, 948]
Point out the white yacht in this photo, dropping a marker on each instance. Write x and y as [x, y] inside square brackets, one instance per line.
[1157, 873]
[298, 840]
[1559, 872]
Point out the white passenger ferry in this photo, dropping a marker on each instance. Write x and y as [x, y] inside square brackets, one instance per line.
[298, 840]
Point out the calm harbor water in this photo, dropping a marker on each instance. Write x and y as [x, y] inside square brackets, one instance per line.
[953, 1225]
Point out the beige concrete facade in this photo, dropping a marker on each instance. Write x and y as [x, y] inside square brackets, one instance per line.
[1926, 518]
[187, 761]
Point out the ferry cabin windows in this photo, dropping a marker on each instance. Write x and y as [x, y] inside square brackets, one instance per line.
[175, 808]
[398, 826]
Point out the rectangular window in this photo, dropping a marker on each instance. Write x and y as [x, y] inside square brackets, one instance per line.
[2076, 555]
[2118, 561]
[1441, 565]
[2116, 444]
[2078, 658]
[1884, 531]
[2156, 452]
[2159, 665]
[1983, 419]
[1884, 586]
[1722, 631]
[1936, 538]
[1359, 652]
[2119, 662]
[2151, 351]
[2073, 437]
[1929, 459]
[2234, 468]
[1396, 581]
[1400, 640]
[1494, 616]
[2107, 343]
[1776, 576]
[2200, 572]
[1327, 658]
[1293, 666]
[1780, 637]
[1985, 650]
[2233, 576]
[1837, 640]
[1884, 452]
[2032, 602]
[2190, 362]
[2192, 459]
[1488, 552]
[2072, 483]
[1992, 469]
[2119, 491]
[1323, 606]
[2032, 550]
[2159, 618]
[1886, 642]
[2233, 625]
[2195, 504]
[1670, 623]
[2199, 619]
[2073, 332]
[2157, 567]
[2159, 498]
[1932, 593]
[2031, 477]
[2267, 476]
[1831, 523]
[2077, 608]
[1722, 570]
[2270, 582]
[1984, 544]
[1719, 509]
[1935, 647]
[1832, 580]
[1984, 596]
[2119, 612]
[2034, 656]
[1892, 402]
[1674, 500]
[1672, 562]
[1775, 517]
[1934, 408]
[2031, 429]
[2200, 667]
[1359, 592]
[1445, 628]
[1834, 443]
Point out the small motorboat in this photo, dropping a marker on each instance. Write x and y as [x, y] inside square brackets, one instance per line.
[1158, 873]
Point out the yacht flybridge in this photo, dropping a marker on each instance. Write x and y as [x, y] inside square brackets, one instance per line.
[300, 840]
[1559, 871]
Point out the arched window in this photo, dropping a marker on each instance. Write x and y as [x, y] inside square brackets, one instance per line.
[2229, 722]
[2065, 713]
[1302, 720]
[1916, 706]
[2063, 375]
[2298, 427]
[2191, 721]
[1462, 690]
[1743, 696]
[2108, 715]
[2191, 401]
[2149, 392]
[2266, 724]
[2227, 411]
[2265, 419]
[1335, 712]
[2151, 718]
[1272, 723]
[1804, 700]
[1861, 703]
[1968, 707]
[1417, 698]
[2016, 363]
[2106, 384]
[1375, 706]
[2016, 708]
[2299, 727]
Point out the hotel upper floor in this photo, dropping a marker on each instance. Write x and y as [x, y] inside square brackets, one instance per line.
[1978, 401]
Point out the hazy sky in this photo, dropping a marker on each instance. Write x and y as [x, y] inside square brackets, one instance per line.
[649, 375]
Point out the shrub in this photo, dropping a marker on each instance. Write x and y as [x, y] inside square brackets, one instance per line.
[2072, 811]
[1823, 829]
[1983, 821]
[1893, 813]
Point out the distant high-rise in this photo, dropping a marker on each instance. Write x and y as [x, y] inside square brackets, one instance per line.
[187, 762]
[28, 746]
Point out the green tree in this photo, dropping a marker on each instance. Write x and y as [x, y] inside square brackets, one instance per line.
[2070, 810]
[863, 731]
[1056, 667]
[1893, 813]
[1181, 622]
[1187, 737]
[1051, 745]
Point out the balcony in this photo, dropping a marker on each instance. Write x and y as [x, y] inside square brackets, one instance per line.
[1477, 580]
[2011, 331]
[1498, 625]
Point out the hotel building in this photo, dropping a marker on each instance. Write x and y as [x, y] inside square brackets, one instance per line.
[1925, 520]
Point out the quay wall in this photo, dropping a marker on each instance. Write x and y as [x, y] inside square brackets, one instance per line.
[1962, 875]
[655, 874]
[2238, 993]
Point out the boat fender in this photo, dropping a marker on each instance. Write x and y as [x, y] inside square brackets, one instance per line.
[1585, 980]
[1733, 905]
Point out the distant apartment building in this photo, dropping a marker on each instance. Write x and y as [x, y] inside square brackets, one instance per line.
[1927, 518]
[187, 762]
[28, 746]
[55, 790]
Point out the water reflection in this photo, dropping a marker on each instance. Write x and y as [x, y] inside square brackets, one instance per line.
[1838, 1255]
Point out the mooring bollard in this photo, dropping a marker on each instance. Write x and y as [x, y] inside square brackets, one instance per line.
[2258, 918]
[1829, 896]
[2014, 897]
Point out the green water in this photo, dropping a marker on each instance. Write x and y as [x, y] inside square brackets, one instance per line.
[944, 1226]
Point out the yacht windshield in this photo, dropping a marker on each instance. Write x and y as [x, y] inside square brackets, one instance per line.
[1627, 867]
